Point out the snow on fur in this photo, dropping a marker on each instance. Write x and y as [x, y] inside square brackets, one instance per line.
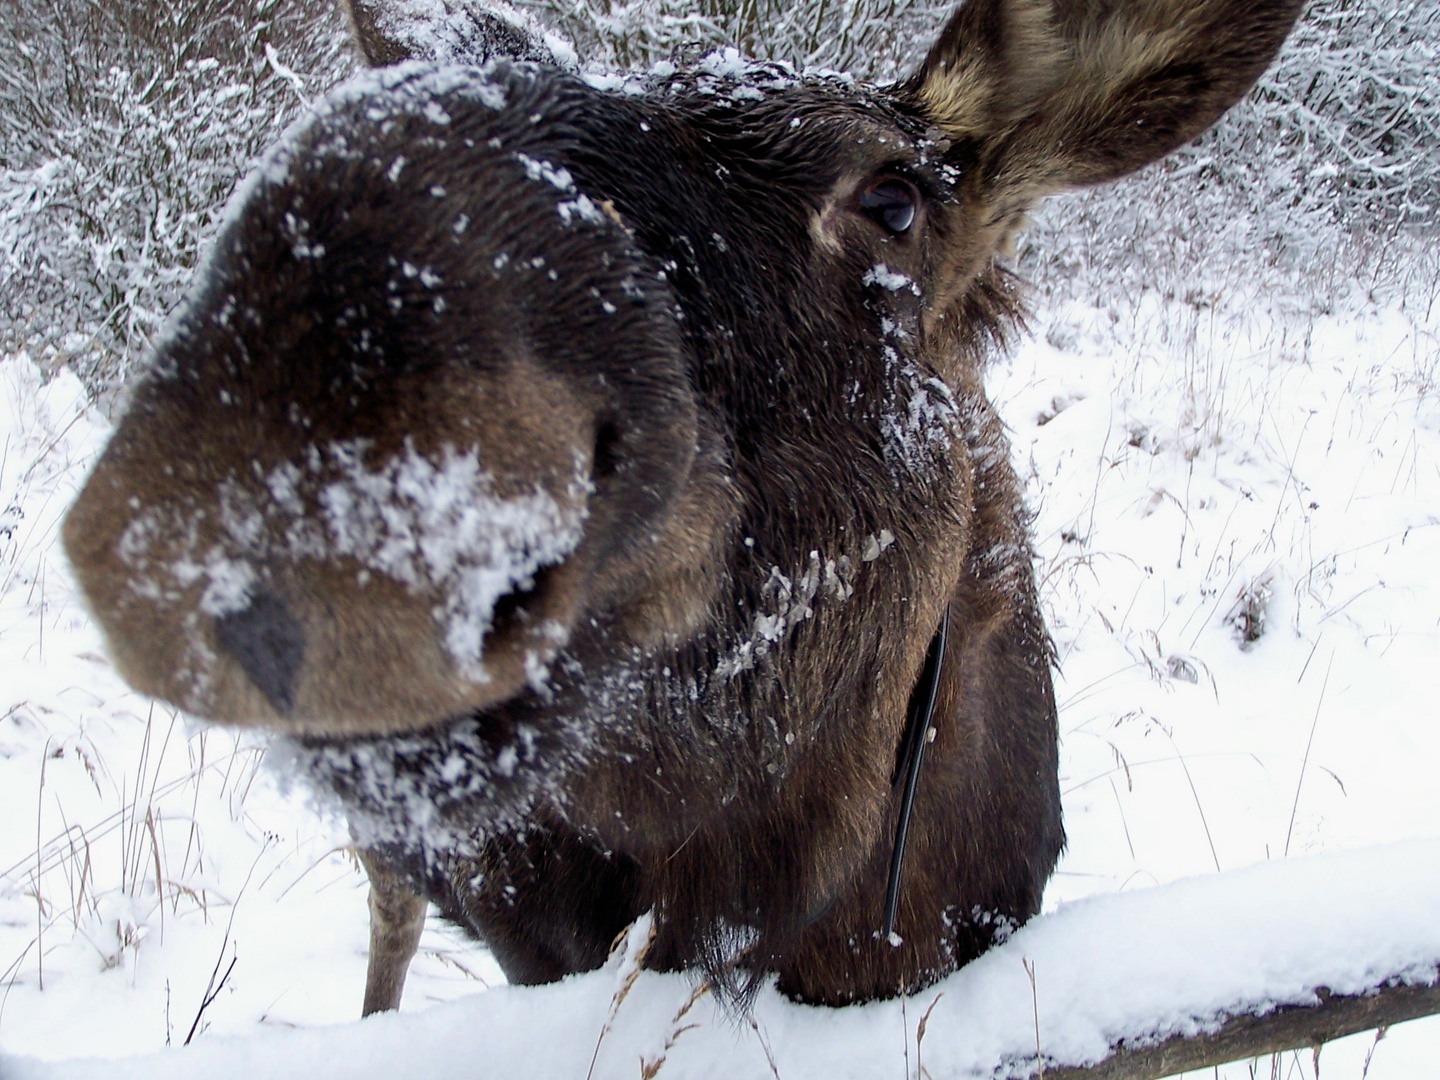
[438, 525]
[433, 523]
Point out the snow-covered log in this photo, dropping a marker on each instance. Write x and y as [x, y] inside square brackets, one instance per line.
[1270, 1030]
[1135, 984]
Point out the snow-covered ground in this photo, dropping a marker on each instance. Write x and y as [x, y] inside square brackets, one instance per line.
[1101, 967]
[1238, 517]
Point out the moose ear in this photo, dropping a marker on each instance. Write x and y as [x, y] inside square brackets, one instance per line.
[450, 31]
[1055, 94]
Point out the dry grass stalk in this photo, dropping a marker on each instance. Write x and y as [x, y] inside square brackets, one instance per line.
[634, 955]
[765, 1045]
[921, 1072]
[649, 1069]
[1029, 966]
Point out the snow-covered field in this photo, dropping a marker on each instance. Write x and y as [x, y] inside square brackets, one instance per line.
[1238, 524]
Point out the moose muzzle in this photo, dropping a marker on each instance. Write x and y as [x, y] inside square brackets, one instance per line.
[413, 404]
[362, 584]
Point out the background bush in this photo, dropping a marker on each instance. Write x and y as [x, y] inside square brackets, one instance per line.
[124, 125]
[1328, 174]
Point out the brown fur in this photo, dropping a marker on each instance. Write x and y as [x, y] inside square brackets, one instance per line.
[668, 327]
[397, 919]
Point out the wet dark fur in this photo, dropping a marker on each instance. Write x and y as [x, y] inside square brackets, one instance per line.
[636, 825]
[734, 381]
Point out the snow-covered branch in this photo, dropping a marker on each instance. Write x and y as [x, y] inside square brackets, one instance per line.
[1250, 1034]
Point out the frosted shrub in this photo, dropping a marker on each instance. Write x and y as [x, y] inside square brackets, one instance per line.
[125, 125]
[1344, 131]
[1329, 169]
[872, 39]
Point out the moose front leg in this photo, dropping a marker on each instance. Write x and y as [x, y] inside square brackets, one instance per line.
[397, 916]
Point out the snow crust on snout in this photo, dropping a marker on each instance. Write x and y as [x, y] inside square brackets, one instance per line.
[439, 527]
[435, 524]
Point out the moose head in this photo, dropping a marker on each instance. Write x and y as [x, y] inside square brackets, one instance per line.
[575, 471]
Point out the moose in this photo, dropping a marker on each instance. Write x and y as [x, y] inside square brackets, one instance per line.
[590, 481]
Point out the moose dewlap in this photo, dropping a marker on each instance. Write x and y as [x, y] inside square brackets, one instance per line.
[575, 471]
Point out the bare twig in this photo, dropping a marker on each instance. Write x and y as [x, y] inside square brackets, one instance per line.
[1304, 761]
[1195, 794]
[1380, 1033]
[212, 991]
[39, 900]
[905, 1036]
[920, 1072]
[1035, 1013]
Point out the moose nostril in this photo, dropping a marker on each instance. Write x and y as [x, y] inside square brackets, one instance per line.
[268, 643]
[607, 446]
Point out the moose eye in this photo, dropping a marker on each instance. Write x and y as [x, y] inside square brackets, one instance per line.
[890, 203]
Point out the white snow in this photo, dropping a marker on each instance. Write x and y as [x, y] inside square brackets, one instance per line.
[437, 31]
[893, 280]
[438, 526]
[556, 175]
[874, 545]
[1179, 957]
[433, 522]
[1196, 471]
[920, 418]
[784, 604]
[583, 208]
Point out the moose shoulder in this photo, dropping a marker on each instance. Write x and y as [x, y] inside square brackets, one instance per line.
[575, 473]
